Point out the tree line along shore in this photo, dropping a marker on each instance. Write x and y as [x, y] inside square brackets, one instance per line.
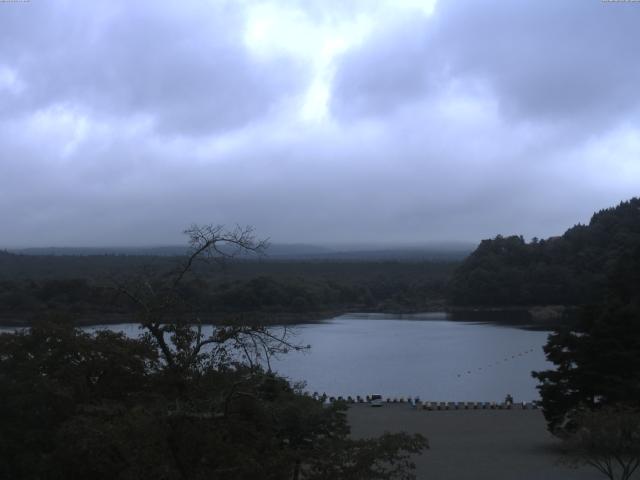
[542, 276]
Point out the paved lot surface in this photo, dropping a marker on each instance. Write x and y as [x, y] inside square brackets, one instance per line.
[474, 444]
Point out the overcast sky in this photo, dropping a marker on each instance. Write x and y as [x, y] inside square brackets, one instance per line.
[317, 121]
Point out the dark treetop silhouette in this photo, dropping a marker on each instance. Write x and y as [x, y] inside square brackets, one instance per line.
[173, 404]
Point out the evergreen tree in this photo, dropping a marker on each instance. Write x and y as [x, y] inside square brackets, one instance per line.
[598, 361]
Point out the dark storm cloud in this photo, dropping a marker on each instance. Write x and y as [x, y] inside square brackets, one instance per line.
[522, 88]
[124, 122]
[182, 65]
[542, 60]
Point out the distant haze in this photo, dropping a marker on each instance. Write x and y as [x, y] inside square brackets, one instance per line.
[431, 251]
[381, 123]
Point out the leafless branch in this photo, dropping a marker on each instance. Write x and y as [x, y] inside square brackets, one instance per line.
[183, 343]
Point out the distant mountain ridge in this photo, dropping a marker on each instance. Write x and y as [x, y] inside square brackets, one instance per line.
[161, 251]
[571, 269]
[440, 251]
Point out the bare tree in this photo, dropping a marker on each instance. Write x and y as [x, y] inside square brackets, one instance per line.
[176, 328]
[607, 439]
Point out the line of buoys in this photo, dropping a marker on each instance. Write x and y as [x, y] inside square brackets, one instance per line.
[505, 359]
[477, 406]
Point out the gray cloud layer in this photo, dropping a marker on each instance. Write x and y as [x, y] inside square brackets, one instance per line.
[122, 123]
[185, 68]
[540, 60]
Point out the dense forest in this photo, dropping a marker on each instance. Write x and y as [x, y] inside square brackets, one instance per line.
[571, 269]
[568, 270]
[591, 396]
[174, 403]
[597, 359]
[86, 286]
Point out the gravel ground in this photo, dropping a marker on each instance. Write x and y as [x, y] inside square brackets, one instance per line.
[473, 444]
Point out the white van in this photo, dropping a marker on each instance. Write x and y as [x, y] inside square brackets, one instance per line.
[376, 400]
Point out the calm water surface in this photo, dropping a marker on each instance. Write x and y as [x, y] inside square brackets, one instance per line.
[423, 355]
[431, 357]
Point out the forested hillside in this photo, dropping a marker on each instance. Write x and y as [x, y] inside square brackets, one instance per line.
[571, 270]
[86, 286]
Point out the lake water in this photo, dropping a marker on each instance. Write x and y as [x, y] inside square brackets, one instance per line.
[419, 355]
[430, 357]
